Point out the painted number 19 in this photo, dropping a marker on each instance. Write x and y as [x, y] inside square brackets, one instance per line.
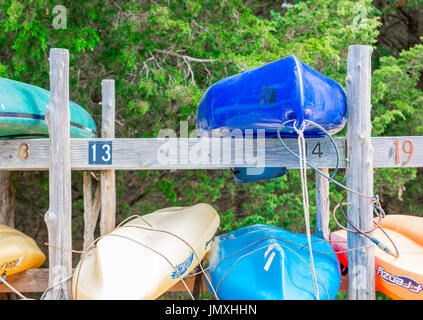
[407, 147]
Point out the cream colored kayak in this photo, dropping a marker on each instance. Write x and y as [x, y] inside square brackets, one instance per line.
[145, 257]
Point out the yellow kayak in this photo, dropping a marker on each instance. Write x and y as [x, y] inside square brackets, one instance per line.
[146, 256]
[18, 252]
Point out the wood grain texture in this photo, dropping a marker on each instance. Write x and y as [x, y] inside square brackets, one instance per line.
[59, 215]
[32, 280]
[361, 263]
[172, 153]
[107, 177]
[148, 154]
[36, 280]
[322, 205]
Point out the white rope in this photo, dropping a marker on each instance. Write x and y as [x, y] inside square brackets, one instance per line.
[303, 173]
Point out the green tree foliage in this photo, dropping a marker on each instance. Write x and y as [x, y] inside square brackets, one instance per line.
[163, 55]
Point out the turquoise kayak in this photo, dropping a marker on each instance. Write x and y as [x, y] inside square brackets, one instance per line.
[23, 108]
[263, 262]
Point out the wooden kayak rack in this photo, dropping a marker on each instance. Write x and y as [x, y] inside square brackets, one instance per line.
[359, 154]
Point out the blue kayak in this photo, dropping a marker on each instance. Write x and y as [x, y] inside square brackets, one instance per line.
[268, 96]
[263, 262]
[23, 108]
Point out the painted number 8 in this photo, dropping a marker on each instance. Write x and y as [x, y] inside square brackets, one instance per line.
[23, 151]
[407, 147]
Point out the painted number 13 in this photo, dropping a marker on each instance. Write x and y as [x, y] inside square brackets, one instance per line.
[100, 152]
[407, 147]
[106, 153]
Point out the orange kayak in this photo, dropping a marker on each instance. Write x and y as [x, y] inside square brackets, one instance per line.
[399, 278]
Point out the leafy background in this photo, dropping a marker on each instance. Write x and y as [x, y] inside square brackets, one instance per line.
[142, 44]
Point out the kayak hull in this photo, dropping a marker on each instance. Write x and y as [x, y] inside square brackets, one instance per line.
[263, 262]
[18, 252]
[22, 113]
[266, 97]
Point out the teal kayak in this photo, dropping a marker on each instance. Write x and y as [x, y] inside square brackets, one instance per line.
[23, 109]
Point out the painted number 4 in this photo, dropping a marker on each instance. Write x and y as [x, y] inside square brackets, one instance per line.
[407, 147]
[100, 152]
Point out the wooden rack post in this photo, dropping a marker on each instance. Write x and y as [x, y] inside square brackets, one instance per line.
[59, 215]
[322, 205]
[107, 177]
[361, 262]
[91, 209]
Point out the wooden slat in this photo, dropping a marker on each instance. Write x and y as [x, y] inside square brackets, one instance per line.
[385, 151]
[36, 280]
[32, 280]
[144, 154]
[152, 153]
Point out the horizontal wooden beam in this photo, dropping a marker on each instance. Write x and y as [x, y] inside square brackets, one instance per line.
[216, 153]
[36, 280]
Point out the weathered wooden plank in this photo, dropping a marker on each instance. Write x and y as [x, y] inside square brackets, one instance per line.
[397, 152]
[322, 205]
[59, 215]
[152, 153]
[143, 154]
[32, 280]
[36, 280]
[107, 177]
[361, 275]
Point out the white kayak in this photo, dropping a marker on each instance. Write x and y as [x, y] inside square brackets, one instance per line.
[145, 257]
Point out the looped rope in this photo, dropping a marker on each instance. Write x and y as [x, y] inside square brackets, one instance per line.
[306, 206]
[374, 199]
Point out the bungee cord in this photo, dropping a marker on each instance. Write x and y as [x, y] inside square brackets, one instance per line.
[374, 199]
